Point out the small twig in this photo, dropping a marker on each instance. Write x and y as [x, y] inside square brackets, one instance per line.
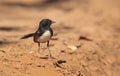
[3, 51]
[84, 38]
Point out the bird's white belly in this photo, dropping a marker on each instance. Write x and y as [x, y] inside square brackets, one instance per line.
[45, 37]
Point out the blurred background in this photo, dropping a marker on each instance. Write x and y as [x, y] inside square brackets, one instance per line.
[88, 30]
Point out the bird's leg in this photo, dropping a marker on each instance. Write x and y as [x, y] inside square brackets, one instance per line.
[38, 47]
[49, 50]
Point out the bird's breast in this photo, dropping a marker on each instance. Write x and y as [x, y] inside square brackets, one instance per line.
[44, 37]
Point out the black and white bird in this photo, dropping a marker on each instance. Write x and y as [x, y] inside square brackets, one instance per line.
[43, 33]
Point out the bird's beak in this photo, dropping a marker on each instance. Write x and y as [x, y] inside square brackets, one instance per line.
[53, 22]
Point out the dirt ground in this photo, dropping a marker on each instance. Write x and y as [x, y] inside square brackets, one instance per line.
[86, 38]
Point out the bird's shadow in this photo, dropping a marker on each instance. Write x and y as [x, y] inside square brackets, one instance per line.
[34, 4]
[6, 28]
[38, 4]
[3, 42]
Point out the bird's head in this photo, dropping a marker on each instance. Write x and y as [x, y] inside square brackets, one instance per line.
[45, 23]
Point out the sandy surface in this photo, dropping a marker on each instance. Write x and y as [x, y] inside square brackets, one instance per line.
[86, 37]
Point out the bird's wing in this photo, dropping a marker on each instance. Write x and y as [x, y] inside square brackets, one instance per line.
[51, 31]
[37, 34]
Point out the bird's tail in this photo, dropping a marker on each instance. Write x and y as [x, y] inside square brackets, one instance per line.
[27, 36]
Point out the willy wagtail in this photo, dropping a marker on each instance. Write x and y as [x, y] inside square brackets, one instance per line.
[43, 33]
